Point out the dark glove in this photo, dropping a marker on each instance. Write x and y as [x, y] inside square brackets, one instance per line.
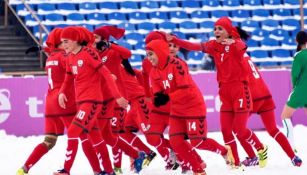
[128, 67]
[101, 45]
[33, 49]
[160, 99]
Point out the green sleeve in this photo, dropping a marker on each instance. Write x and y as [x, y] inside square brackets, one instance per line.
[296, 69]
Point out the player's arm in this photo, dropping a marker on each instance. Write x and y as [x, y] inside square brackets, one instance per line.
[185, 44]
[66, 85]
[122, 51]
[296, 70]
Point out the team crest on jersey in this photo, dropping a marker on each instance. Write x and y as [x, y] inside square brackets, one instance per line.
[104, 59]
[170, 76]
[227, 48]
[80, 63]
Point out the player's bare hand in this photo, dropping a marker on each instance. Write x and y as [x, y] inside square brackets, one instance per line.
[114, 77]
[228, 41]
[62, 100]
[122, 102]
[169, 37]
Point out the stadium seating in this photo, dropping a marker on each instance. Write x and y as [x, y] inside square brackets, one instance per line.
[271, 29]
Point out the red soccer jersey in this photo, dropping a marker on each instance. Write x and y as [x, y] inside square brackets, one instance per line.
[175, 80]
[112, 59]
[132, 86]
[86, 70]
[228, 59]
[55, 69]
[258, 87]
[146, 68]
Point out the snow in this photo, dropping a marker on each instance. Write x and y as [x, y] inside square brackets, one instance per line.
[15, 150]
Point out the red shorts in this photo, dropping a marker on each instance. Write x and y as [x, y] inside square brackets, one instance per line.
[117, 122]
[137, 117]
[158, 122]
[107, 110]
[193, 128]
[57, 125]
[235, 97]
[87, 115]
[263, 105]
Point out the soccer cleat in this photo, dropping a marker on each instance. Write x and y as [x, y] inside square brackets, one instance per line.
[105, 173]
[263, 156]
[239, 167]
[149, 158]
[138, 163]
[228, 157]
[21, 171]
[200, 173]
[296, 161]
[172, 166]
[118, 171]
[61, 172]
[250, 161]
[185, 169]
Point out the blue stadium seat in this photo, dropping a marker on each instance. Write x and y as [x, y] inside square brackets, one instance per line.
[61, 25]
[269, 42]
[179, 34]
[252, 2]
[281, 53]
[67, 7]
[288, 42]
[134, 36]
[30, 20]
[279, 34]
[117, 16]
[198, 56]
[96, 17]
[108, 5]
[169, 4]
[22, 11]
[75, 18]
[88, 26]
[207, 24]
[136, 58]
[147, 26]
[178, 14]
[199, 14]
[250, 25]
[87, 6]
[272, 2]
[240, 15]
[252, 43]
[190, 4]
[259, 54]
[260, 14]
[231, 3]
[219, 13]
[138, 16]
[297, 11]
[258, 34]
[188, 25]
[127, 26]
[167, 25]
[291, 2]
[54, 17]
[149, 4]
[129, 5]
[124, 44]
[282, 13]
[45, 8]
[139, 46]
[270, 24]
[158, 15]
[211, 3]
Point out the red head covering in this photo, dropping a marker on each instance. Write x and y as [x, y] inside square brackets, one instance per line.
[106, 31]
[86, 35]
[154, 36]
[160, 47]
[54, 38]
[71, 33]
[226, 23]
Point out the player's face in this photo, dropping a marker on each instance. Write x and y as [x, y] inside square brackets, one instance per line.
[97, 38]
[69, 45]
[173, 48]
[152, 57]
[220, 33]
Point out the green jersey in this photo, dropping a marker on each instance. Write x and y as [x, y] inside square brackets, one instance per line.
[299, 69]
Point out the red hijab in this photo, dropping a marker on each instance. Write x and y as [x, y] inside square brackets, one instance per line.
[161, 49]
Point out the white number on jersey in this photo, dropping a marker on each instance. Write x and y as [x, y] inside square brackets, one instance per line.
[80, 115]
[192, 126]
[113, 121]
[166, 84]
[254, 70]
[241, 102]
[50, 81]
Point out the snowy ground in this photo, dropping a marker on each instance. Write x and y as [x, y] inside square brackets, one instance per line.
[14, 151]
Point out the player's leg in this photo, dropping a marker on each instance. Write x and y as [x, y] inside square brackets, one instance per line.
[286, 115]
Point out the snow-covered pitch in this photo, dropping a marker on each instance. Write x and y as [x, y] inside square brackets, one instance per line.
[14, 151]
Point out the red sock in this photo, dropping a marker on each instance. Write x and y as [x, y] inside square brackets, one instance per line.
[135, 142]
[127, 149]
[247, 147]
[163, 150]
[117, 156]
[268, 119]
[209, 145]
[38, 152]
[254, 141]
[90, 153]
[71, 151]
